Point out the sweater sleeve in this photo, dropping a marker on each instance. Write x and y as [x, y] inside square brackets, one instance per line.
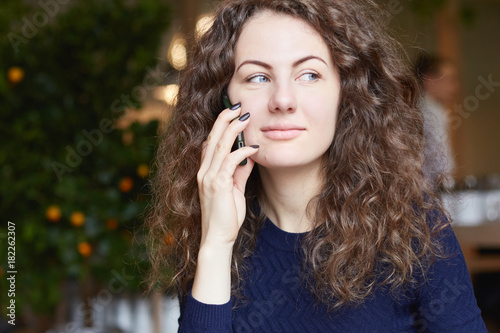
[205, 318]
[446, 302]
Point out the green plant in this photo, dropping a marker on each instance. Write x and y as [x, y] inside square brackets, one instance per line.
[74, 187]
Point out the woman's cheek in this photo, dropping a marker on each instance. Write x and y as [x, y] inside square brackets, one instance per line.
[250, 136]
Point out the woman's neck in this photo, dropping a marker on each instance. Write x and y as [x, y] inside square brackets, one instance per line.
[287, 194]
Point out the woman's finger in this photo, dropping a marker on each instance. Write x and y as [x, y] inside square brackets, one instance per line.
[233, 175]
[242, 173]
[223, 147]
[220, 126]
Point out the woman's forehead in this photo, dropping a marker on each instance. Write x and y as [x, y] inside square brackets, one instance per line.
[277, 28]
[277, 37]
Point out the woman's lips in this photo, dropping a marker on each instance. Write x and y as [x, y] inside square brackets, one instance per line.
[282, 133]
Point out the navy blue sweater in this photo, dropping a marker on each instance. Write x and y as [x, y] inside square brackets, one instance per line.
[278, 301]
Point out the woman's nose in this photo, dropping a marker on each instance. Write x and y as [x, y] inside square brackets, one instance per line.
[283, 98]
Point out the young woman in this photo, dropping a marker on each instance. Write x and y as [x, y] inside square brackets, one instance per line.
[329, 226]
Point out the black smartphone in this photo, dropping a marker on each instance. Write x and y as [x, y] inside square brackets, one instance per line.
[240, 139]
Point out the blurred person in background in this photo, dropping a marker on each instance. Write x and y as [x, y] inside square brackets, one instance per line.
[438, 79]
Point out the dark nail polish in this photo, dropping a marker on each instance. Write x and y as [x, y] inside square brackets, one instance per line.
[255, 146]
[235, 106]
[245, 116]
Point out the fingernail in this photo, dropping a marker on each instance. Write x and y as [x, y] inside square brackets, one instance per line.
[235, 106]
[245, 116]
[255, 146]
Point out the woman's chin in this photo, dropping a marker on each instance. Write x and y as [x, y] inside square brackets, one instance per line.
[281, 160]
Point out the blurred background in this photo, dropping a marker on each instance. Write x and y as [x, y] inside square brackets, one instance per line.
[84, 88]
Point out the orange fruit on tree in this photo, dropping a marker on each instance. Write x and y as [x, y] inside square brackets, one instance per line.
[126, 184]
[53, 213]
[142, 170]
[112, 224]
[84, 249]
[77, 219]
[15, 74]
[169, 239]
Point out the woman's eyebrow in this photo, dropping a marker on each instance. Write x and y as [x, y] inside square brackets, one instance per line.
[267, 66]
[254, 62]
[302, 60]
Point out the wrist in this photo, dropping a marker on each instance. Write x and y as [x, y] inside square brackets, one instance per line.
[217, 244]
[212, 251]
[212, 282]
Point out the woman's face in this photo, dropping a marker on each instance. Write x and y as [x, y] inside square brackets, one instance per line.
[285, 78]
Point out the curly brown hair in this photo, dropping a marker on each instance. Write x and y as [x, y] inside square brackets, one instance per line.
[370, 218]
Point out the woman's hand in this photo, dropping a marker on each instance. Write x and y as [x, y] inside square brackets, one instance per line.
[222, 181]
[221, 184]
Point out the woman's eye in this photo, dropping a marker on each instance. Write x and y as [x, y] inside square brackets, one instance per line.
[309, 77]
[258, 79]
